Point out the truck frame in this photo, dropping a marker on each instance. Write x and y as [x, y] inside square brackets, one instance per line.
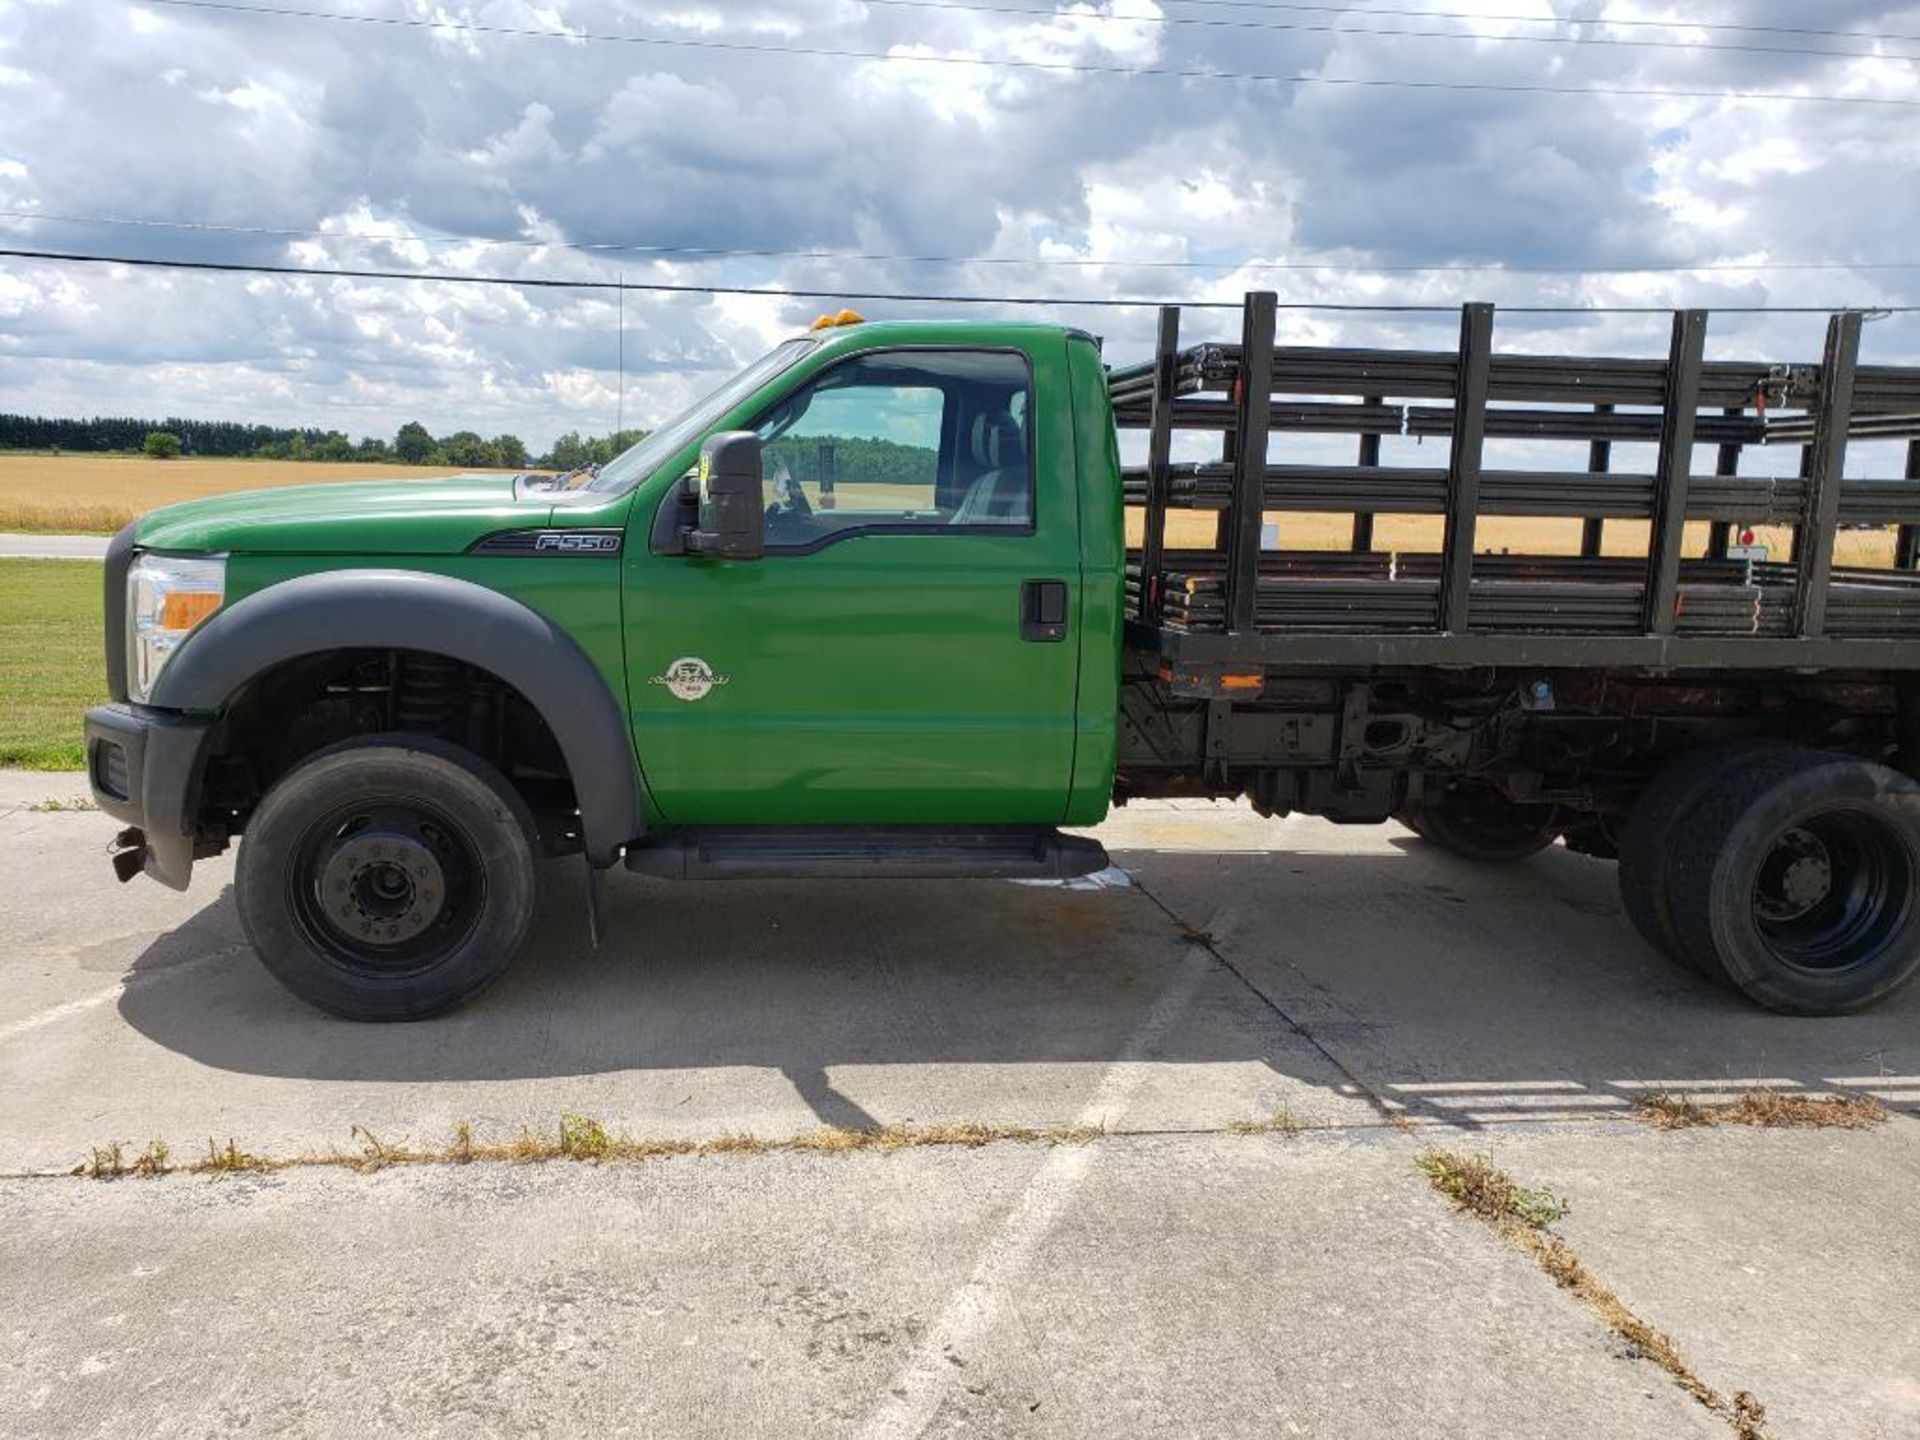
[1742, 733]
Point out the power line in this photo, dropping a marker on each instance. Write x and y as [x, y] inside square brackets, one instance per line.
[707, 252]
[772, 292]
[1057, 66]
[1364, 12]
[1334, 27]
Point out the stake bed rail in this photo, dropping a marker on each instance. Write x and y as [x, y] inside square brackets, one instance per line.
[1237, 602]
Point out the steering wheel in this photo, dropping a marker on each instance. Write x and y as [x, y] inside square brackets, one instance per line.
[792, 502]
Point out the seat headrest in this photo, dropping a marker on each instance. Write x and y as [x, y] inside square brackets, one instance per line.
[997, 441]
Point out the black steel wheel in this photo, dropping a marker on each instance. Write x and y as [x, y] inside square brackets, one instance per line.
[1479, 823]
[386, 888]
[1667, 804]
[387, 879]
[1801, 884]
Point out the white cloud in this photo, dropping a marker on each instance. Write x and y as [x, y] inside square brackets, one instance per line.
[394, 143]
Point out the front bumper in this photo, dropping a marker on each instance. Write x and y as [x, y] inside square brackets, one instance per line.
[144, 767]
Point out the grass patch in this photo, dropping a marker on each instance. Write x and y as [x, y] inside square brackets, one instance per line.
[1763, 1109]
[1521, 1215]
[51, 656]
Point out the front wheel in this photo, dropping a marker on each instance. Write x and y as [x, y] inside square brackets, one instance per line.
[389, 878]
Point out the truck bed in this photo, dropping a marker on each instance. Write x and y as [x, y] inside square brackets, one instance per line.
[1673, 605]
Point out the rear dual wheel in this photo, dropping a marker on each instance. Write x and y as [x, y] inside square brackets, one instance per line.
[1790, 874]
[1673, 795]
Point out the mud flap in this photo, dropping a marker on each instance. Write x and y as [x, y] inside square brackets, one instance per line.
[593, 903]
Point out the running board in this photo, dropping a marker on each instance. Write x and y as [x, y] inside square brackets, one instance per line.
[876, 852]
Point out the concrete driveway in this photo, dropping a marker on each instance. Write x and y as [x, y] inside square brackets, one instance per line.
[1261, 1032]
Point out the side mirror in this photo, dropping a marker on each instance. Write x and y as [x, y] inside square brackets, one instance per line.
[733, 522]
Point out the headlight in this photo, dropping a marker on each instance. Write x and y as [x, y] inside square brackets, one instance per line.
[167, 595]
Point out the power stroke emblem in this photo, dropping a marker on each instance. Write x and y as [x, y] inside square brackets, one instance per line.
[689, 678]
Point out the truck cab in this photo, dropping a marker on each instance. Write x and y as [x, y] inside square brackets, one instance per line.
[909, 665]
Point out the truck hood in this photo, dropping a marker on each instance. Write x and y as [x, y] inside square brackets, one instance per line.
[375, 517]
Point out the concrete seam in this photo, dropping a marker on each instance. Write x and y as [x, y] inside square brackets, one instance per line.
[1202, 938]
[918, 1389]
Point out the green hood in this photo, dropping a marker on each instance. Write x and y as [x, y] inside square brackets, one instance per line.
[375, 517]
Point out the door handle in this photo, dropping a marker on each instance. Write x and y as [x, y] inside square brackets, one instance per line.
[1043, 611]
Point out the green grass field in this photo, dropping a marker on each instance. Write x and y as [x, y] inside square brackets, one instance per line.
[50, 660]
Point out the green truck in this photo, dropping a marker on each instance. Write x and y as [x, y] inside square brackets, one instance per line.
[894, 601]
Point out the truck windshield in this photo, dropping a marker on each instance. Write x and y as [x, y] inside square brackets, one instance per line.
[634, 465]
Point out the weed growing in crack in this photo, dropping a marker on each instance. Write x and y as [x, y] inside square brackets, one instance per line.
[109, 1162]
[583, 1138]
[230, 1161]
[1521, 1216]
[103, 1162]
[1763, 1109]
[1476, 1184]
[1282, 1122]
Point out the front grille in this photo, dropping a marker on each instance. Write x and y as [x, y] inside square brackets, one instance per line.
[110, 770]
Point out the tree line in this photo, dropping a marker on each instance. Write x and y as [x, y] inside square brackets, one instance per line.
[413, 444]
[847, 458]
[853, 459]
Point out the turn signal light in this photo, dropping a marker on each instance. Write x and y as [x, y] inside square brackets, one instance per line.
[184, 609]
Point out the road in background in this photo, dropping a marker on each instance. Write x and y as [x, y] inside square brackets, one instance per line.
[53, 547]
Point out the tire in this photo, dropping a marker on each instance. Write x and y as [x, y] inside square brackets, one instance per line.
[1477, 822]
[1669, 799]
[1799, 881]
[387, 878]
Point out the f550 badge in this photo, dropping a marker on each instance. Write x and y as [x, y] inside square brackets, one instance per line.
[551, 543]
[689, 678]
[574, 542]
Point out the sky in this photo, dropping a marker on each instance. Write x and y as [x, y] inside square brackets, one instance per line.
[1112, 150]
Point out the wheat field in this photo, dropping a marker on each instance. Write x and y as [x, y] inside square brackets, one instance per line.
[1418, 534]
[97, 494]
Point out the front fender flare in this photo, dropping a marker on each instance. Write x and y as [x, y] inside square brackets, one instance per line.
[413, 610]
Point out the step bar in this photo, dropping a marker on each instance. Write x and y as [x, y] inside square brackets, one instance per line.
[875, 852]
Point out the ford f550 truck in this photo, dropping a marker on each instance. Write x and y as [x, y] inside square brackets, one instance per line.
[870, 609]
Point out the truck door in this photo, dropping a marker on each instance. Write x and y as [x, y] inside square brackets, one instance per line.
[905, 651]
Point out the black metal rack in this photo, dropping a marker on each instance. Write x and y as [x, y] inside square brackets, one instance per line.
[1235, 602]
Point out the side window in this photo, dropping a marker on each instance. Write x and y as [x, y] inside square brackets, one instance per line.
[900, 441]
